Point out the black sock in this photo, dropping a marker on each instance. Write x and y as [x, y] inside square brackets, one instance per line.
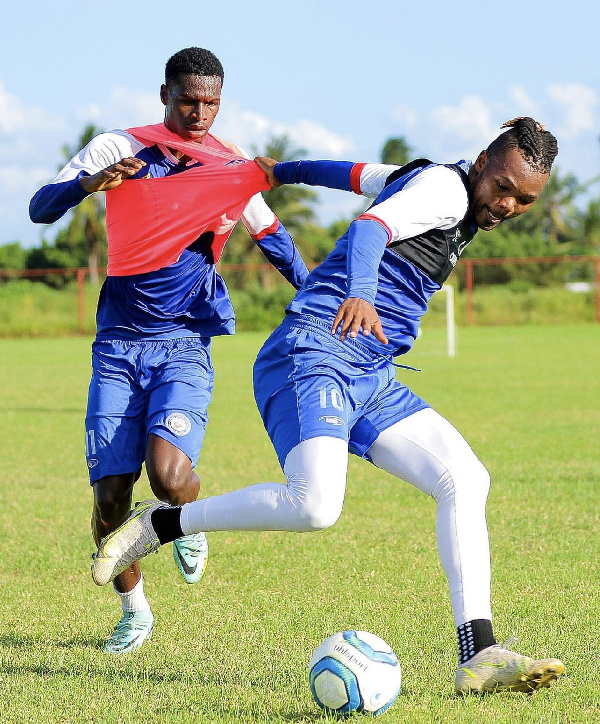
[165, 522]
[473, 636]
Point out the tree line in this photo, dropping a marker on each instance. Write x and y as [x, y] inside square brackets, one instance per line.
[565, 221]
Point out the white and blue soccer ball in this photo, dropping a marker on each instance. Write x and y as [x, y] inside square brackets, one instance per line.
[355, 671]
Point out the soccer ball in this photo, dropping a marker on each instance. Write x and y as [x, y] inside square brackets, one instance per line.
[354, 671]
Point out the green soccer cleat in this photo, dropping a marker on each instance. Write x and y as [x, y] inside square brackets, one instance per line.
[132, 540]
[191, 555]
[498, 669]
[131, 632]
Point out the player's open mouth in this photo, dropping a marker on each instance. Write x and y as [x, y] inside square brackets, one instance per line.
[493, 219]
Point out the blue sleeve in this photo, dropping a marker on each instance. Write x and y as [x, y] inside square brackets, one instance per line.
[367, 240]
[54, 200]
[282, 253]
[332, 174]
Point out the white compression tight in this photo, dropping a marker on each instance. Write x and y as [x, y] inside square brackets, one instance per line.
[425, 450]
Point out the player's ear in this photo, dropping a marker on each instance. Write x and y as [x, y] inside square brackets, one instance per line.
[481, 161]
[164, 94]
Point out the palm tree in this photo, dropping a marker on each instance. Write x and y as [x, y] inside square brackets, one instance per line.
[396, 151]
[290, 203]
[555, 212]
[591, 227]
[87, 223]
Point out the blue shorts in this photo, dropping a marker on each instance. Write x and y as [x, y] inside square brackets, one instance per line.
[308, 383]
[160, 387]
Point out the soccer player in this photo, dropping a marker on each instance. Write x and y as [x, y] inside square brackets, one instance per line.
[325, 381]
[152, 375]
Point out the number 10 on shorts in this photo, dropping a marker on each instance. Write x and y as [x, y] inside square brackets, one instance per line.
[331, 397]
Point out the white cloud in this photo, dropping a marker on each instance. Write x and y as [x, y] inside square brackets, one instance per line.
[524, 105]
[18, 184]
[444, 133]
[448, 132]
[128, 107]
[250, 129]
[578, 104]
[124, 108]
[17, 117]
[36, 137]
[470, 122]
[406, 118]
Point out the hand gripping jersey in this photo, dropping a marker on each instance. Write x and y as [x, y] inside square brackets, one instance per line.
[184, 297]
[399, 252]
[173, 212]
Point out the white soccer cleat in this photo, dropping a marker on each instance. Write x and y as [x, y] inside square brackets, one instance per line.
[131, 632]
[498, 669]
[132, 540]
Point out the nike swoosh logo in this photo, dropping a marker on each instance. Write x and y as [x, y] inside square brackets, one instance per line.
[188, 569]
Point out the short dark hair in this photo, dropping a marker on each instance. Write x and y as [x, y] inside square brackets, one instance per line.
[537, 146]
[193, 61]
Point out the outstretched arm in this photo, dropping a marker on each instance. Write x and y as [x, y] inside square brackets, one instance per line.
[343, 175]
[366, 179]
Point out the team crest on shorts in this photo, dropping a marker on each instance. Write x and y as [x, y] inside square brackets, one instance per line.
[179, 424]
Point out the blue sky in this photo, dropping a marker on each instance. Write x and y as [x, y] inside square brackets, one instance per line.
[338, 76]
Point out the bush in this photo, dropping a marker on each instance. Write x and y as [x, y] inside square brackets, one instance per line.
[13, 256]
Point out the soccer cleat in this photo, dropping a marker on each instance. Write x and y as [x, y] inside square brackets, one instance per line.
[130, 633]
[132, 540]
[191, 555]
[498, 669]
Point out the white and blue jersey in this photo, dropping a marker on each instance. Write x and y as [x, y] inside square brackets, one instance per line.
[187, 298]
[398, 253]
[308, 383]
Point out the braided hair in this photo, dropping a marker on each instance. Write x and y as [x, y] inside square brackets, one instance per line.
[537, 146]
[193, 61]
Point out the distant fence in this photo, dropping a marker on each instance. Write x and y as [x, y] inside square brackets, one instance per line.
[238, 274]
[471, 264]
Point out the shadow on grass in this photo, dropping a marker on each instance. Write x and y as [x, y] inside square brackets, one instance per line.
[25, 641]
[114, 669]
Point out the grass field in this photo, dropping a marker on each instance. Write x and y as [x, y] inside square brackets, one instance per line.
[235, 647]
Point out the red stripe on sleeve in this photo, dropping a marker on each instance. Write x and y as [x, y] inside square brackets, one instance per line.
[370, 217]
[265, 232]
[355, 177]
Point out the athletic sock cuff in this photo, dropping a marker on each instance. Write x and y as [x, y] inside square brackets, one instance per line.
[165, 522]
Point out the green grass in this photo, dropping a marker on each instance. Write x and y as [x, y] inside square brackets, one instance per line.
[32, 309]
[235, 647]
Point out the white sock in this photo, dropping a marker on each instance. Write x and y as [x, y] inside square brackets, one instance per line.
[134, 600]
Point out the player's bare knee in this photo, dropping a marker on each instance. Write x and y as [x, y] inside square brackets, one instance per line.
[173, 483]
[112, 501]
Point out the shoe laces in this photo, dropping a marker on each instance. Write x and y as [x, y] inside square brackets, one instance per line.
[126, 626]
[194, 545]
